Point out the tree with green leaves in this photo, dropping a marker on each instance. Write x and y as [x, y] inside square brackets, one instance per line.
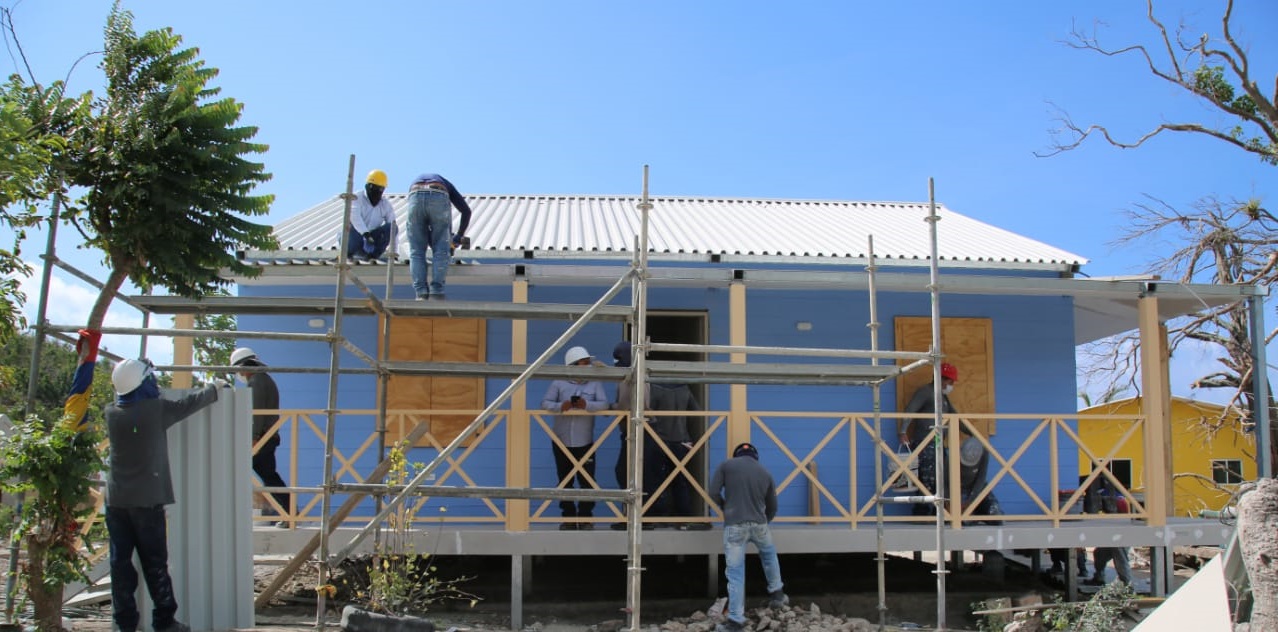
[169, 187]
[34, 122]
[168, 184]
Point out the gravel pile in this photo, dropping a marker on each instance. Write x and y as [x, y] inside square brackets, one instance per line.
[784, 619]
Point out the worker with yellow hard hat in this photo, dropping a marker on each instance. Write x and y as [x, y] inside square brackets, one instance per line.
[372, 220]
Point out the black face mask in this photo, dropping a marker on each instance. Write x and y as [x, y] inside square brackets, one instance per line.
[374, 193]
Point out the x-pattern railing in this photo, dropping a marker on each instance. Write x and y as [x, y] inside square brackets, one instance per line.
[840, 432]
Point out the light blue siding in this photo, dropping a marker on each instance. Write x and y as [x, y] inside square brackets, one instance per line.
[1033, 364]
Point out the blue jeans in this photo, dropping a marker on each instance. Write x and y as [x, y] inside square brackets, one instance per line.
[140, 529]
[430, 219]
[735, 538]
[380, 238]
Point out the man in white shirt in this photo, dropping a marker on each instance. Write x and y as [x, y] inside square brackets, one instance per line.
[372, 220]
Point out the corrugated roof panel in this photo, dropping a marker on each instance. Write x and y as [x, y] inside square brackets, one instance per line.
[804, 229]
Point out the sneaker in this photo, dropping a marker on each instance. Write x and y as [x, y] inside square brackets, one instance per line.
[729, 626]
[280, 524]
[422, 297]
[778, 599]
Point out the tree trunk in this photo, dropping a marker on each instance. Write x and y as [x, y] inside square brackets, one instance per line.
[1258, 534]
[45, 600]
[112, 285]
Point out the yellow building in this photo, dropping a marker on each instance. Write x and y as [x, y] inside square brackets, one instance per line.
[1211, 453]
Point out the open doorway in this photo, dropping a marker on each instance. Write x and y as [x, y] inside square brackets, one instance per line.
[684, 327]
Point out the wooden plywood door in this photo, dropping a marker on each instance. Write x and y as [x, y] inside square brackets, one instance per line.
[968, 344]
[436, 340]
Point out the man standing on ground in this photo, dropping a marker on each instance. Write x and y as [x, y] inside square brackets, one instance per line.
[139, 485]
[372, 220]
[748, 496]
[430, 220]
[266, 396]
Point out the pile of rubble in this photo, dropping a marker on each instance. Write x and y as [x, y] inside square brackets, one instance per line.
[783, 619]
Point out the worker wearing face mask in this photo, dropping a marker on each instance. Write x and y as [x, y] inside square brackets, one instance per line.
[372, 220]
[911, 431]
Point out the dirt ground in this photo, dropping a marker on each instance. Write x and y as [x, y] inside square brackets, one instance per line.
[579, 594]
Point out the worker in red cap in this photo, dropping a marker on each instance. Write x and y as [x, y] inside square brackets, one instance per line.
[911, 431]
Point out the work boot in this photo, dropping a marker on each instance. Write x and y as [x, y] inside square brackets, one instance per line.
[777, 599]
[177, 626]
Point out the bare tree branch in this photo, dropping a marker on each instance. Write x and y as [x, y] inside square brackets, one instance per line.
[1198, 74]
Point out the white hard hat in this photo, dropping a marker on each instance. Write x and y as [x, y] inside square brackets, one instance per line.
[242, 354]
[576, 354]
[971, 451]
[129, 374]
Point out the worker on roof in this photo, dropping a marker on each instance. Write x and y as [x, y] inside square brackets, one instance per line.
[372, 220]
[430, 219]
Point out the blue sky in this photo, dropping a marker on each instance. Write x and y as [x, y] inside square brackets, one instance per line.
[806, 100]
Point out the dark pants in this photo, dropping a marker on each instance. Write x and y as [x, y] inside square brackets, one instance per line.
[264, 467]
[380, 237]
[927, 476]
[676, 499]
[563, 465]
[141, 530]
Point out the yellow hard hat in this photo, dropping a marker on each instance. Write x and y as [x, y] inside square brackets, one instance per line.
[378, 177]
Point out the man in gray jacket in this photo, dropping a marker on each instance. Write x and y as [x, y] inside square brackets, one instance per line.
[673, 431]
[748, 496]
[139, 485]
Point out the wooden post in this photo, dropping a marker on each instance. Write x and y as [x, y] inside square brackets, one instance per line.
[518, 443]
[183, 351]
[1155, 403]
[739, 412]
[814, 494]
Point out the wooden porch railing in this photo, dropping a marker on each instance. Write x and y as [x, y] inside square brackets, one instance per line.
[828, 440]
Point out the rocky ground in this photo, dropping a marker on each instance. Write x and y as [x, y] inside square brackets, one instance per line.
[828, 592]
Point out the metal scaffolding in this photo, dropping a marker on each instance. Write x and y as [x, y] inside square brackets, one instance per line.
[390, 498]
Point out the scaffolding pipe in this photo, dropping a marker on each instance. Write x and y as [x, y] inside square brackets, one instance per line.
[383, 377]
[118, 296]
[638, 404]
[42, 304]
[452, 446]
[938, 399]
[877, 408]
[792, 351]
[330, 424]
[444, 491]
[195, 333]
[359, 353]
[1260, 389]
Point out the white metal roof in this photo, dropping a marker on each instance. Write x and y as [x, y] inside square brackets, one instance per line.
[684, 228]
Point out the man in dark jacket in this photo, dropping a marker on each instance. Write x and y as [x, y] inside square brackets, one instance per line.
[911, 432]
[266, 396]
[746, 493]
[139, 485]
[673, 431]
